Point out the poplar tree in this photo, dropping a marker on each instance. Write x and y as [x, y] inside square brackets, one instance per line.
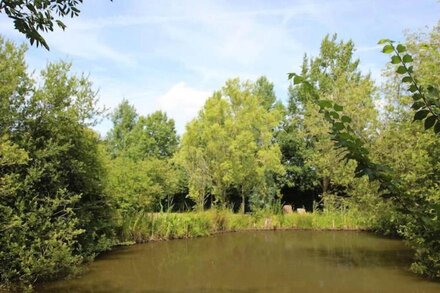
[337, 78]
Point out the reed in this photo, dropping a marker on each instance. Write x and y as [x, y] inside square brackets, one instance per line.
[167, 225]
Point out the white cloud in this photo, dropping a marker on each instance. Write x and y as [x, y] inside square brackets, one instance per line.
[182, 103]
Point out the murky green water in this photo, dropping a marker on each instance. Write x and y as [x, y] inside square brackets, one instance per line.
[288, 261]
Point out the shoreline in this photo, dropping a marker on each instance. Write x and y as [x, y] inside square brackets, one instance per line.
[248, 230]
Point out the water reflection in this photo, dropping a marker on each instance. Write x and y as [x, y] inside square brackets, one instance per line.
[255, 262]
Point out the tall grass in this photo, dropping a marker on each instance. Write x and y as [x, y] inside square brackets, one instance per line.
[167, 225]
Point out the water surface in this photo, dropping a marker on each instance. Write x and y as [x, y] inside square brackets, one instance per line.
[269, 261]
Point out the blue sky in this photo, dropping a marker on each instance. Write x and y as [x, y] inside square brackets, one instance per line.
[171, 55]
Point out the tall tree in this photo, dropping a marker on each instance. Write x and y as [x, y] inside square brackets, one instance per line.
[140, 186]
[193, 159]
[265, 90]
[410, 148]
[232, 139]
[53, 213]
[407, 172]
[152, 136]
[336, 77]
[300, 176]
[124, 118]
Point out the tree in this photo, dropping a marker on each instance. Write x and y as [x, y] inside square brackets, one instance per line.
[192, 158]
[415, 164]
[407, 176]
[141, 174]
[124, 118]
[264, 89]
[53, 213]
[230, 144]
[204, 152]
[33, 17]
[140, 186]
[336, 77]
[255, 156]
[152, 136]
[300, 178]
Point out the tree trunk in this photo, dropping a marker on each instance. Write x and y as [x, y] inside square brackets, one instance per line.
[325, 184]
[243, 201]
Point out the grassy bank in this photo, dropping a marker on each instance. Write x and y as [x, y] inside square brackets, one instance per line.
[164, 226]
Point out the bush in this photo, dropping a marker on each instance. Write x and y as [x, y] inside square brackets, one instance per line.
[53, 214]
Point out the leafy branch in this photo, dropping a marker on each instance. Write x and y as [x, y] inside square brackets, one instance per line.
[346, 138]
[423, 212]
[426, 101]
[32, 17]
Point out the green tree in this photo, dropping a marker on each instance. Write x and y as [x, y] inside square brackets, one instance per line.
[152, 136]
[124, 119]
[205, 153]
[299, 175]
[263, 88]
[336, 77]
[54, 214]
[412, 153]
[408, 173]
[141, 174]
[255, 156]
[140, 186]
[230, 144]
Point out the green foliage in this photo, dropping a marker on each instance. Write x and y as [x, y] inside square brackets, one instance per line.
[140, 186]
[426, 101]
[139, 137]
[124, 118]
[230, 144]
[32, 17]
[414, 153]
[331, 81]
[263, 88]
[408, 174]
[141, 176]
[164, 226]
[153, 136]
[294, 152]
[53, 213]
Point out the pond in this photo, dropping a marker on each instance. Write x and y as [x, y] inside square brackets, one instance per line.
[263, 261]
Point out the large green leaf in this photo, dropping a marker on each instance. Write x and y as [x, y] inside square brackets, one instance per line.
[437, 127]
[384, 41]
[421, 114]
[401, 48]
[338, 107]
[388, 49]
[325, 104]
[406, 79]
[298, 79]
[407, 58]
[401, 69]
[412, 88]
[417, 105]
[346, 119]
[430, 121]
[395, 59]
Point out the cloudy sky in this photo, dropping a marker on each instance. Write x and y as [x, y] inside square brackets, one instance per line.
[171, 55]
